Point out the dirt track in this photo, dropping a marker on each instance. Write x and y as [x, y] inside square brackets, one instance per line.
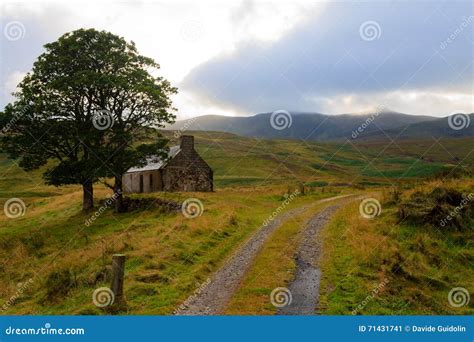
[212, 298]
[305, 286]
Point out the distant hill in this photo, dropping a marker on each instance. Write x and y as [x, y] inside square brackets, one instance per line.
[321, 127]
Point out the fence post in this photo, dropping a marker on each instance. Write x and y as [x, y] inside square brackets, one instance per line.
[118, 270]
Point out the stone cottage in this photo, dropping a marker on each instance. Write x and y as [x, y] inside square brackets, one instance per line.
[183, 170]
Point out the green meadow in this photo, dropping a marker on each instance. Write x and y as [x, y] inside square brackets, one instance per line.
[169, 255]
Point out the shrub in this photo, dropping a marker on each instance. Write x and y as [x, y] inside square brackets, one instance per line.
[58, 284]
[442, 207]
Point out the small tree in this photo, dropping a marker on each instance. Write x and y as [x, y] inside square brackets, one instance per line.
[87, 102]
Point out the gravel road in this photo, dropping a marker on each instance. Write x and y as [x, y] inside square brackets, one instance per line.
[212, 298]
[304, 288]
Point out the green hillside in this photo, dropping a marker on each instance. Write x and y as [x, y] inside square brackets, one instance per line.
[249, 161]
[167, 253]
[337, 127]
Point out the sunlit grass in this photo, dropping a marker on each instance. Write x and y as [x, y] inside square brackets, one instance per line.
[421, 264]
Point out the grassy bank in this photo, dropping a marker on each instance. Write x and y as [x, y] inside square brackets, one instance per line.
[168, 255]
[386, 265]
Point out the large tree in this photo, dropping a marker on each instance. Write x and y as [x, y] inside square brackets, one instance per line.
[90, 98]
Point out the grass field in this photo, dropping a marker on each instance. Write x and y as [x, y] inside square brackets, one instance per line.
[169, 255]
[393, 267]
[249, 161]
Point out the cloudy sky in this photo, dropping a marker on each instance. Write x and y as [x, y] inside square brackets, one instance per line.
[245, 57]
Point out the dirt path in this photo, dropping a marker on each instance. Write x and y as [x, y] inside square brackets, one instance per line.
[304, 288]
[212, 298]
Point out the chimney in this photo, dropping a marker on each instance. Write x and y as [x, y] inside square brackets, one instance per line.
[187, 143]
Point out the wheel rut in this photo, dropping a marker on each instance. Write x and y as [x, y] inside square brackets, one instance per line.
[304, 288]
[212, 298]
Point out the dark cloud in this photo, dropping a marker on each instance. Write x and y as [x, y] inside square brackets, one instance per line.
[328, 57]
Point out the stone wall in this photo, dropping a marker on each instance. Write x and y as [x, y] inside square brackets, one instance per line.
[187, 171]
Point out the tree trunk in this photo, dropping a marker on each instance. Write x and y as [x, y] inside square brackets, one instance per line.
[118, 194]
[87, 196]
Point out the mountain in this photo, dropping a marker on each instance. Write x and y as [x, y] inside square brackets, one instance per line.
[322, 127]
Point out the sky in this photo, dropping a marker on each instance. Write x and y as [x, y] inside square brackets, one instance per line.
[240, 58]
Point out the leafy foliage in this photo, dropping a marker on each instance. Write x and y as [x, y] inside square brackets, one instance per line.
[86, 79]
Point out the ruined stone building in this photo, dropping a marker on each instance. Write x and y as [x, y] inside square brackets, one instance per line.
[183, 170]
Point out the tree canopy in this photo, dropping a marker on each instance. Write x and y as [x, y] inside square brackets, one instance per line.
[88, 104]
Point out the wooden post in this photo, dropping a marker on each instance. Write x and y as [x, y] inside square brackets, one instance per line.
[301, 188]
[118, 270]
